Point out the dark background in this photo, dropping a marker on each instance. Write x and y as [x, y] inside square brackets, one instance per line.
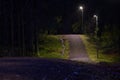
[21, 21]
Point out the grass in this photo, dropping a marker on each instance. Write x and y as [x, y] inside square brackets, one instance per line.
[51, 47]
[103, 57]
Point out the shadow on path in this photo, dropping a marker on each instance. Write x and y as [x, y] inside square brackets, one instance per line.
[55, 69]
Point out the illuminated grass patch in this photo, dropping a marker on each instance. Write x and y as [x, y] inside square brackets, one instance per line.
[51, 47]
[103, 57]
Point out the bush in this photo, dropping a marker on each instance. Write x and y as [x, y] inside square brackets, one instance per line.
[110, 38]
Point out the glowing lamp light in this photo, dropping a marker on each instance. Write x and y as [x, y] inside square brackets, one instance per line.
[95, 16]
[81, 8]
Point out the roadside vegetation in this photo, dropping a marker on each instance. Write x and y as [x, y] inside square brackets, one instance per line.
[50, 46]
[102, 55]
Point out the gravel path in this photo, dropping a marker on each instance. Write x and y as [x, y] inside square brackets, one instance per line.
[77, 48]
[53, 69]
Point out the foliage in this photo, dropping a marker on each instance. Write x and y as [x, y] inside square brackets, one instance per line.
[110, 39]
[91, 49]
[51, 47]
[107, 38]
[76, 27]
[59, 19]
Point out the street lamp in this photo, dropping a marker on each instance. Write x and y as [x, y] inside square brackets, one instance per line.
[96, 21]
[81, 8]
[96, 17]
[96, 32]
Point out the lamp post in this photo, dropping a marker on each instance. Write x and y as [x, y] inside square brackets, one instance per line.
[96, 22]
[96, 17]
[96, 32]
[81, 8]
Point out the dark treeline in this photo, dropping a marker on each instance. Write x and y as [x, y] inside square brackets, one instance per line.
[21, 22]
[18, 27]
